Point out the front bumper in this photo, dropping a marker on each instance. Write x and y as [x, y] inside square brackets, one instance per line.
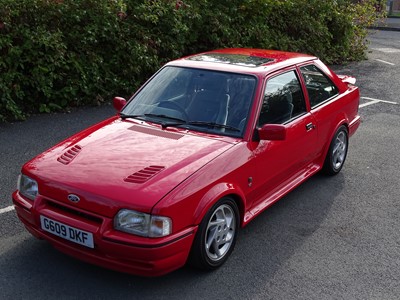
[112, 249]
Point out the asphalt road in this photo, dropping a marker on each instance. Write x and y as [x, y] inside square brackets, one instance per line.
[331, 238]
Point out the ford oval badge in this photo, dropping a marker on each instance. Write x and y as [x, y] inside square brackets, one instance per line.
[73, 198]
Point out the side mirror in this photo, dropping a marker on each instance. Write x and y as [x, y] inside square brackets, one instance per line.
[119, 103]
[272, 132]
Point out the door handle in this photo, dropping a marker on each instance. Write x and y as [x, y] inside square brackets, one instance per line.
[310, 126]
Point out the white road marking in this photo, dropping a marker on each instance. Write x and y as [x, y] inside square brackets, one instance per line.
[374, 101]
[6, 209]
[368, 103]
[379, 100]
[387, 50]
[385, 62]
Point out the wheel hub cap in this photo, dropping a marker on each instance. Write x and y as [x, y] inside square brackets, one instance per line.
[220, 232]
[339, 150]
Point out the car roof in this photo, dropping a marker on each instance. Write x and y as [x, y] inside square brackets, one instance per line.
[243, 60]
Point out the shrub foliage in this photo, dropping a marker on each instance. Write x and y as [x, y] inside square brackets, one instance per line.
[56, 54]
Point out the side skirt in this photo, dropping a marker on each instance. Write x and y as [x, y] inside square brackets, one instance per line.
[283, 189]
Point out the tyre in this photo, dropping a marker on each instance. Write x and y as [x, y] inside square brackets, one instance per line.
[216, 237]
[337, 152]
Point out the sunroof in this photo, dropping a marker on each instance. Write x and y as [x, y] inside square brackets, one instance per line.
[233, 59]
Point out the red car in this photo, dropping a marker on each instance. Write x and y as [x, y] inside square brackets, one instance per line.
[208, 143]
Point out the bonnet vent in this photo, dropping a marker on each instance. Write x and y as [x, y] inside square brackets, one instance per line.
[144, 174]
[69, 155]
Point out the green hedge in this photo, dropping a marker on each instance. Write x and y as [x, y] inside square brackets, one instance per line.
[56, 54]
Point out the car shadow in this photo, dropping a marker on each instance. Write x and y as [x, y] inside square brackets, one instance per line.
[32, 268]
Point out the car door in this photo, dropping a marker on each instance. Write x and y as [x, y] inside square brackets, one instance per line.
[278, 163]
[324, 99]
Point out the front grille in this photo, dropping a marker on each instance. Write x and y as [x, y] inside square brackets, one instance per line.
[75, 212]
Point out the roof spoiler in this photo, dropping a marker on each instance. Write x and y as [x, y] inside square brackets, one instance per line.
[347, 79]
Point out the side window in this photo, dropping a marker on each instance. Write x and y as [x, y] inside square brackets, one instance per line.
[283, 100]
[319, 87]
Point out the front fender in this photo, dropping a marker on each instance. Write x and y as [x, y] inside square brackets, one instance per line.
[217, 192]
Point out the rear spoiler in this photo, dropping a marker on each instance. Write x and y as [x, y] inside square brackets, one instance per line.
[347, 79]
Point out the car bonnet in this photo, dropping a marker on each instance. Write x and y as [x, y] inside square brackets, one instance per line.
[121, 164]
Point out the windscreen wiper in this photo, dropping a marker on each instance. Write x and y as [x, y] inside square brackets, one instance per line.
[124, 116]
[181, 121]
[177, 122]
[164, 125]
[213, 125]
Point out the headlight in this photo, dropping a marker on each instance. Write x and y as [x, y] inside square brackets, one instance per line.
[142, 224]
[27, 187]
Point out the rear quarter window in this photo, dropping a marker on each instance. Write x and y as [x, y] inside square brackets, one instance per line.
[319, 87]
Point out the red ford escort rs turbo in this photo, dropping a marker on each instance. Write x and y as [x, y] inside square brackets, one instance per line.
[208, 143]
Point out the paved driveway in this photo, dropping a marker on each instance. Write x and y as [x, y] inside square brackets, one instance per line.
[331, 238]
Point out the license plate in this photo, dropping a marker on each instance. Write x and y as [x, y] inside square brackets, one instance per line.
[67, 232]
